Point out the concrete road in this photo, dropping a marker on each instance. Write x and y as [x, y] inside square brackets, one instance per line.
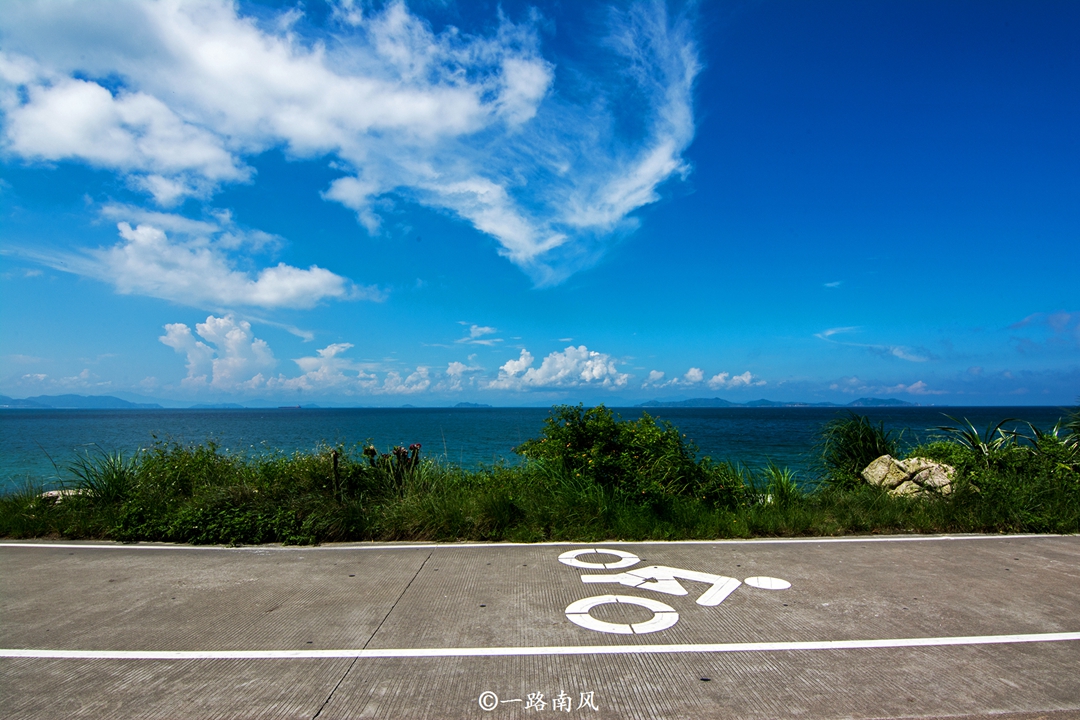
[912, 627]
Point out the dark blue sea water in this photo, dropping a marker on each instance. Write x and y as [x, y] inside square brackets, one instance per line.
[31, 441]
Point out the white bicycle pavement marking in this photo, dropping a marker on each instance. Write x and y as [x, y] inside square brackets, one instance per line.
[664, 616]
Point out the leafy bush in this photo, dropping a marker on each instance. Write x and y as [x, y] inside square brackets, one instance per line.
[645, 459]
[848, 444]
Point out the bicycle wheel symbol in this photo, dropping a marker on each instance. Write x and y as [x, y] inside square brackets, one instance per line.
[664, 616]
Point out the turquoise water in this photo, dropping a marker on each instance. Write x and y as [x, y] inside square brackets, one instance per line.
[31, 441]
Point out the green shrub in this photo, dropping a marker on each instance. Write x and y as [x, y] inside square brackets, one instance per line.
[986, 444]
[645, 459]
[848, 444]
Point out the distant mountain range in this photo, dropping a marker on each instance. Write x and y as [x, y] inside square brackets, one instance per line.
[74, 402]
[720, 402]
[108, 402]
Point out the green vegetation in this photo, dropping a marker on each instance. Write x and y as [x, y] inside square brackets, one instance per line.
[848, 444]
[589, 476]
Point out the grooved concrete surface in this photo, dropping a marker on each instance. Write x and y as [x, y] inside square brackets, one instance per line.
[405, 604]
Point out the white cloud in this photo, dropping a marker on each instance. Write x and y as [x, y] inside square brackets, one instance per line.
[898, 351]
[176, 95]
[229, 357]
[416, 382]
[476, 335]
[327, 370]
[693, 376]
[200, 270]
[915, 388]
[70, 119]
[224, 355]
[853, 385]
[458, 372]
[84, 380]
[573, 367]
[732, 382]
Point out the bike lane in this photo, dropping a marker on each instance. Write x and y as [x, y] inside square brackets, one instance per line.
[530, 631]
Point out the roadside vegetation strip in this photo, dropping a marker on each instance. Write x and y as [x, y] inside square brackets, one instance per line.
[589, 477]
[794, 646]
[340, 547]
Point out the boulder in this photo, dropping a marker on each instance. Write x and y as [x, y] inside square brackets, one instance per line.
[936, 477]
[886, 472]
[917, 464]
[906, 488]
[913, 476]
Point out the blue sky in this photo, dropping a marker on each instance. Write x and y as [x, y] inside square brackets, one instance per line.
[364, 203]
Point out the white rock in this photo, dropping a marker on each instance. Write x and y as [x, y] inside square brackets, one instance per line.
[935, 476]
[906, 488]
[886, 471]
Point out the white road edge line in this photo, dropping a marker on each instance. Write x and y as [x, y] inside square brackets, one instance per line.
[471, 546]
[374, 653]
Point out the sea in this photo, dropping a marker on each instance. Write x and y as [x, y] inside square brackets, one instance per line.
[37, 446]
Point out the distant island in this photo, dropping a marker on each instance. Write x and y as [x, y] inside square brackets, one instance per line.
[75, 402]
[108, 402]
[720, 402]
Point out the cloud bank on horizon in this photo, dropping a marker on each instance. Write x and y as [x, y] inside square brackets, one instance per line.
[174, 96]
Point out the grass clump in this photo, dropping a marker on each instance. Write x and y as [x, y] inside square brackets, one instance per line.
[588, 476]
[848, 444]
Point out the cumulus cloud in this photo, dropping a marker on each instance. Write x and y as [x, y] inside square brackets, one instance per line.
[196, 264]
[415, 382]
[458, 373]
[174, 96]
[693, 376]
[228, 357]
[223, 354]
[732, 382]
[573, 367]
[70, 119]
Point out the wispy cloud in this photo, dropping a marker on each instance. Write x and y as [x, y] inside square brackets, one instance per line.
[1039, 332]
[477, 335]
[447, 119]
[84, 380]
[901, 352]
[853, 385]
[834, 284]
